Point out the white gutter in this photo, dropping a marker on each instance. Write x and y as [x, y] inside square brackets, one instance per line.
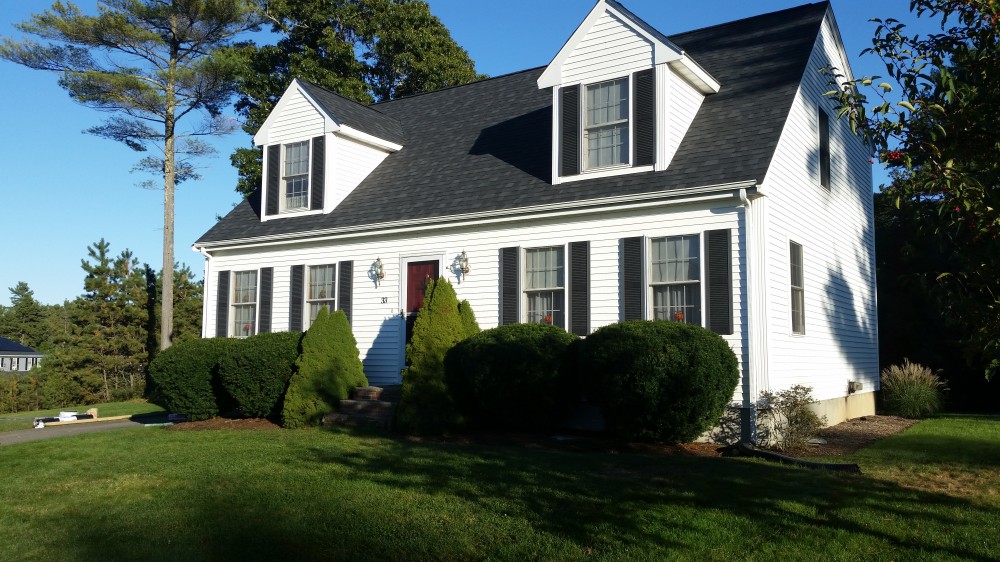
[534, 212]
[204, 301]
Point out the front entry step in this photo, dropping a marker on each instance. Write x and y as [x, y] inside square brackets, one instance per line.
[363, 409]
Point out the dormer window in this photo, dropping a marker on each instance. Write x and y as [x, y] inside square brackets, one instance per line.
[295, 180]
[606, 132]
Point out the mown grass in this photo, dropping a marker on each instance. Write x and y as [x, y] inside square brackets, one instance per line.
[24, 420]
[154, 494]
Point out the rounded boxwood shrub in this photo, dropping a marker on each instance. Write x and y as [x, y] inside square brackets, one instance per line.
[510, 377]
[657, 380]
[328, 368]
[255, 372]
[184, 376]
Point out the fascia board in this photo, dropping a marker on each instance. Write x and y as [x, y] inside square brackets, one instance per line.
[589, 206]
[370, 140]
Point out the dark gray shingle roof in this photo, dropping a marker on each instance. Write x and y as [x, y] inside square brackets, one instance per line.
[486, 146]
[355, 115]
[8, 346]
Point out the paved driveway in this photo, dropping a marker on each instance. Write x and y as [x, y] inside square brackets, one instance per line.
[51, 432]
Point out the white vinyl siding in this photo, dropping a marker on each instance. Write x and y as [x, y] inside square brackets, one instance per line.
[610, 50]
[836, 228]
[544, 283]
[676, 279]
[678, 103]
[297, 120]
[244, 304]
[348, 163]
[377, 325]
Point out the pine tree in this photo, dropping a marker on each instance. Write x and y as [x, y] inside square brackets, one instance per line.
[25, 320]
[153, 62]
[470, 326]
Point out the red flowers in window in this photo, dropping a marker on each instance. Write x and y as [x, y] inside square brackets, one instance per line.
[678, 316]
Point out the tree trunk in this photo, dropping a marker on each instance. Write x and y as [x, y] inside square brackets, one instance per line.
[167, 275]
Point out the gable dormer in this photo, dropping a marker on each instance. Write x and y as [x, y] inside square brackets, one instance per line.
[623, 95]
[318, 147]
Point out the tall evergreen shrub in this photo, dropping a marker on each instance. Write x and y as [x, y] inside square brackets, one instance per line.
[255, 372]
[329, 366]
[470, 326]
[426, 406]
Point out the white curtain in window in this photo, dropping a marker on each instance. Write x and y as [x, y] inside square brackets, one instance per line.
[676, 275]
[607, 123]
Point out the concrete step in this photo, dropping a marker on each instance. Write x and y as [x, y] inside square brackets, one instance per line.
[392, 393]
[358, 420]
[367, 407]
[366, 392]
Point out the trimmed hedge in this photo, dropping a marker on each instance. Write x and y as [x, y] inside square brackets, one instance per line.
[329, 366]
[185, 376]
[255, 372]
[658, 380]
[510, 377]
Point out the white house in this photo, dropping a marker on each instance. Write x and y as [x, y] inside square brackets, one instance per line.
[701, 177]
[16, 358]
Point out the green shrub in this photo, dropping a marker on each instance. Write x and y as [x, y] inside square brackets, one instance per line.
[657, 380]
[425, 405]
[255, 372]
[911, 390]
[329, 366]
[184, 376]
[784, 420]
[469, 325]
[510, 377]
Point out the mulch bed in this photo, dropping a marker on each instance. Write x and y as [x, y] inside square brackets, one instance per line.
[842, 439]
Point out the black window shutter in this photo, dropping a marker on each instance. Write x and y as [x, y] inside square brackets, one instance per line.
[266, 298]
[317, 177]
[579, 288]
[273, 179]
[633, 293]
[510, 290]
[645, 118]
[569, 131]
[222, 305]
[719, 281]
[345, 270]
[824, 149]
[297, 292]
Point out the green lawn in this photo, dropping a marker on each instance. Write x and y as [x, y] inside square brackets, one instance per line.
[154, 494]
[24, 420]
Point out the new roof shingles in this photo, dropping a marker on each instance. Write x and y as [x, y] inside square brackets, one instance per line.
[486, 146]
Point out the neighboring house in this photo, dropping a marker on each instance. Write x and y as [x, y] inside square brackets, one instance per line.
[701, 177]
[17, 358]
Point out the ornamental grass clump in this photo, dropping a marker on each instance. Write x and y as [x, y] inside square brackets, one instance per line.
[912, 390]
[328, 368]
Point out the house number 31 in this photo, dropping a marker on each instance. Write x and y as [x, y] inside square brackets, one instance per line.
[385, 300]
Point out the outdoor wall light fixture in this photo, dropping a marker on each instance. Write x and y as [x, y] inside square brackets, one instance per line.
[463, 263]
[379, 270]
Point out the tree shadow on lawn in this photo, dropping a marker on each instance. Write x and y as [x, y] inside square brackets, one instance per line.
[682, 504]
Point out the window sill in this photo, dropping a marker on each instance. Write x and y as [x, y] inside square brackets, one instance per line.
[603, 173]
[292, 213]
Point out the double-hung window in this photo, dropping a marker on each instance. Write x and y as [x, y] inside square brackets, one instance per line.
[244, 303]
[798, 303]
[322, 289]
[606, 129]
[295, 179]
[676, 278]
[544, 285]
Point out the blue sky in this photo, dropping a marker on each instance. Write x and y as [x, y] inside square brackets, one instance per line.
[61, 190]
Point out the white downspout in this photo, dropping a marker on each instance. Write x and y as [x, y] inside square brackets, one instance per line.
[757, 325]
[204, 292]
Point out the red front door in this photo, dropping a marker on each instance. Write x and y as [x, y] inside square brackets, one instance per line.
[418, 273]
